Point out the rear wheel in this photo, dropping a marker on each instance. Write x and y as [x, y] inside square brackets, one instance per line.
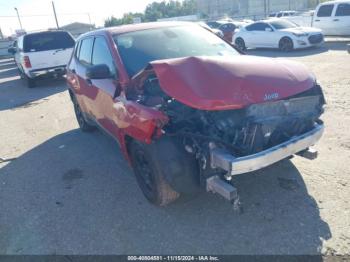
[83, 124]
[240, 44]
[163, 170]
[286, 44]
[30, 82]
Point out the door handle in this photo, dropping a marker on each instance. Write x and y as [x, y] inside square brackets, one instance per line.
[336, 20]
[317, 20]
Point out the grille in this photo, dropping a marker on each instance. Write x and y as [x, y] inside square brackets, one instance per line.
[316, 39]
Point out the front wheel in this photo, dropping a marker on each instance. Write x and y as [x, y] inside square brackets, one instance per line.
[163, 170]
[286, 44]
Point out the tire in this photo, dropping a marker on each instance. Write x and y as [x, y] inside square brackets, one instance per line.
[286, 44]
[83, 124]
[21, 75]
[240, 44]
[164, 170]
[30, 82]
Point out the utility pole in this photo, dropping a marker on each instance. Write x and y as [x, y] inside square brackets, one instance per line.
[54, 12]
[19, 19]
[88, 14]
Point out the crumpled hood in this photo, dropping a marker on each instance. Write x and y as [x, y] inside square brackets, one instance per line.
[219, 83]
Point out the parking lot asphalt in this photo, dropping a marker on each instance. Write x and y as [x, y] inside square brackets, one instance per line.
[66, 192]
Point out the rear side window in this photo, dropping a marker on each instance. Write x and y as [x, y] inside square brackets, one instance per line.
[85, 51]
[325, 11]
[343, 10]
[102, 55]
[47, 41]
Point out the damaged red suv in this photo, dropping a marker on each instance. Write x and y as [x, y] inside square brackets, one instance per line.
[188, 110]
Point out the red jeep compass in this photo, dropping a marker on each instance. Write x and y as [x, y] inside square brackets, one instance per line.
[188, 110]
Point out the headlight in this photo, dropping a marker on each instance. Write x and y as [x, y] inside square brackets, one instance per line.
[300, 34]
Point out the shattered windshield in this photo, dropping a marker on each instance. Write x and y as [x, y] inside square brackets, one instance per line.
[139, 48]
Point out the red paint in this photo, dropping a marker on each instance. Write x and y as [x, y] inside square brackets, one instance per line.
[218, 83]
[207, 83]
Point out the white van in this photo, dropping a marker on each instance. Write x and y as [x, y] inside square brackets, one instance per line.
[43, 54]
[332, 17]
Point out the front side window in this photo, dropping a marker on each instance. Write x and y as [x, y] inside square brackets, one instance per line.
[102, 55]
[325, 11]
[47, 41]
[85, 51]
[343, 10]
[137, 49]
[258, 27]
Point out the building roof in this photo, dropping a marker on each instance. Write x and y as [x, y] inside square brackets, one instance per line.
[75, 25]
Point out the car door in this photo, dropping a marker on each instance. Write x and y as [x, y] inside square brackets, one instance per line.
[85, 91]
[341, 19]
[324, 20]
[250, 35]
[256, 35]
[105, 88]
[269, 36]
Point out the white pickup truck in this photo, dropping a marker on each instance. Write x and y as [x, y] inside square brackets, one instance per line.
[42, 54]
[332, 17]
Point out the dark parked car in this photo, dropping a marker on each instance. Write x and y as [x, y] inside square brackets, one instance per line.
[188, 110]
[227, 28]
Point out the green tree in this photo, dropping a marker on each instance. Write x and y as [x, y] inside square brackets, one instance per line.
[128, 18]
[157, 10]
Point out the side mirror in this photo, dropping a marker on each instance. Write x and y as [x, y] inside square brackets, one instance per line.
[98, 72]
[268, 29]
[12, 50]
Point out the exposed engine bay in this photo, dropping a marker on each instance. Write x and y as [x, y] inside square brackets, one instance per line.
[241, 132]
[229, 142]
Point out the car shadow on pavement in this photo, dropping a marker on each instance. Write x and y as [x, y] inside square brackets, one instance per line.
[75, 194]
[14, 92]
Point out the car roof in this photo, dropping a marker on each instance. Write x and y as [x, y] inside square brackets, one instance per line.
[44, 32]
[136, 27]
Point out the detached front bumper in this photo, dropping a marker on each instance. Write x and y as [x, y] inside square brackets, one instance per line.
[240, 165]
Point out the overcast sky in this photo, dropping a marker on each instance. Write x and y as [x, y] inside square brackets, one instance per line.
[38, 14]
